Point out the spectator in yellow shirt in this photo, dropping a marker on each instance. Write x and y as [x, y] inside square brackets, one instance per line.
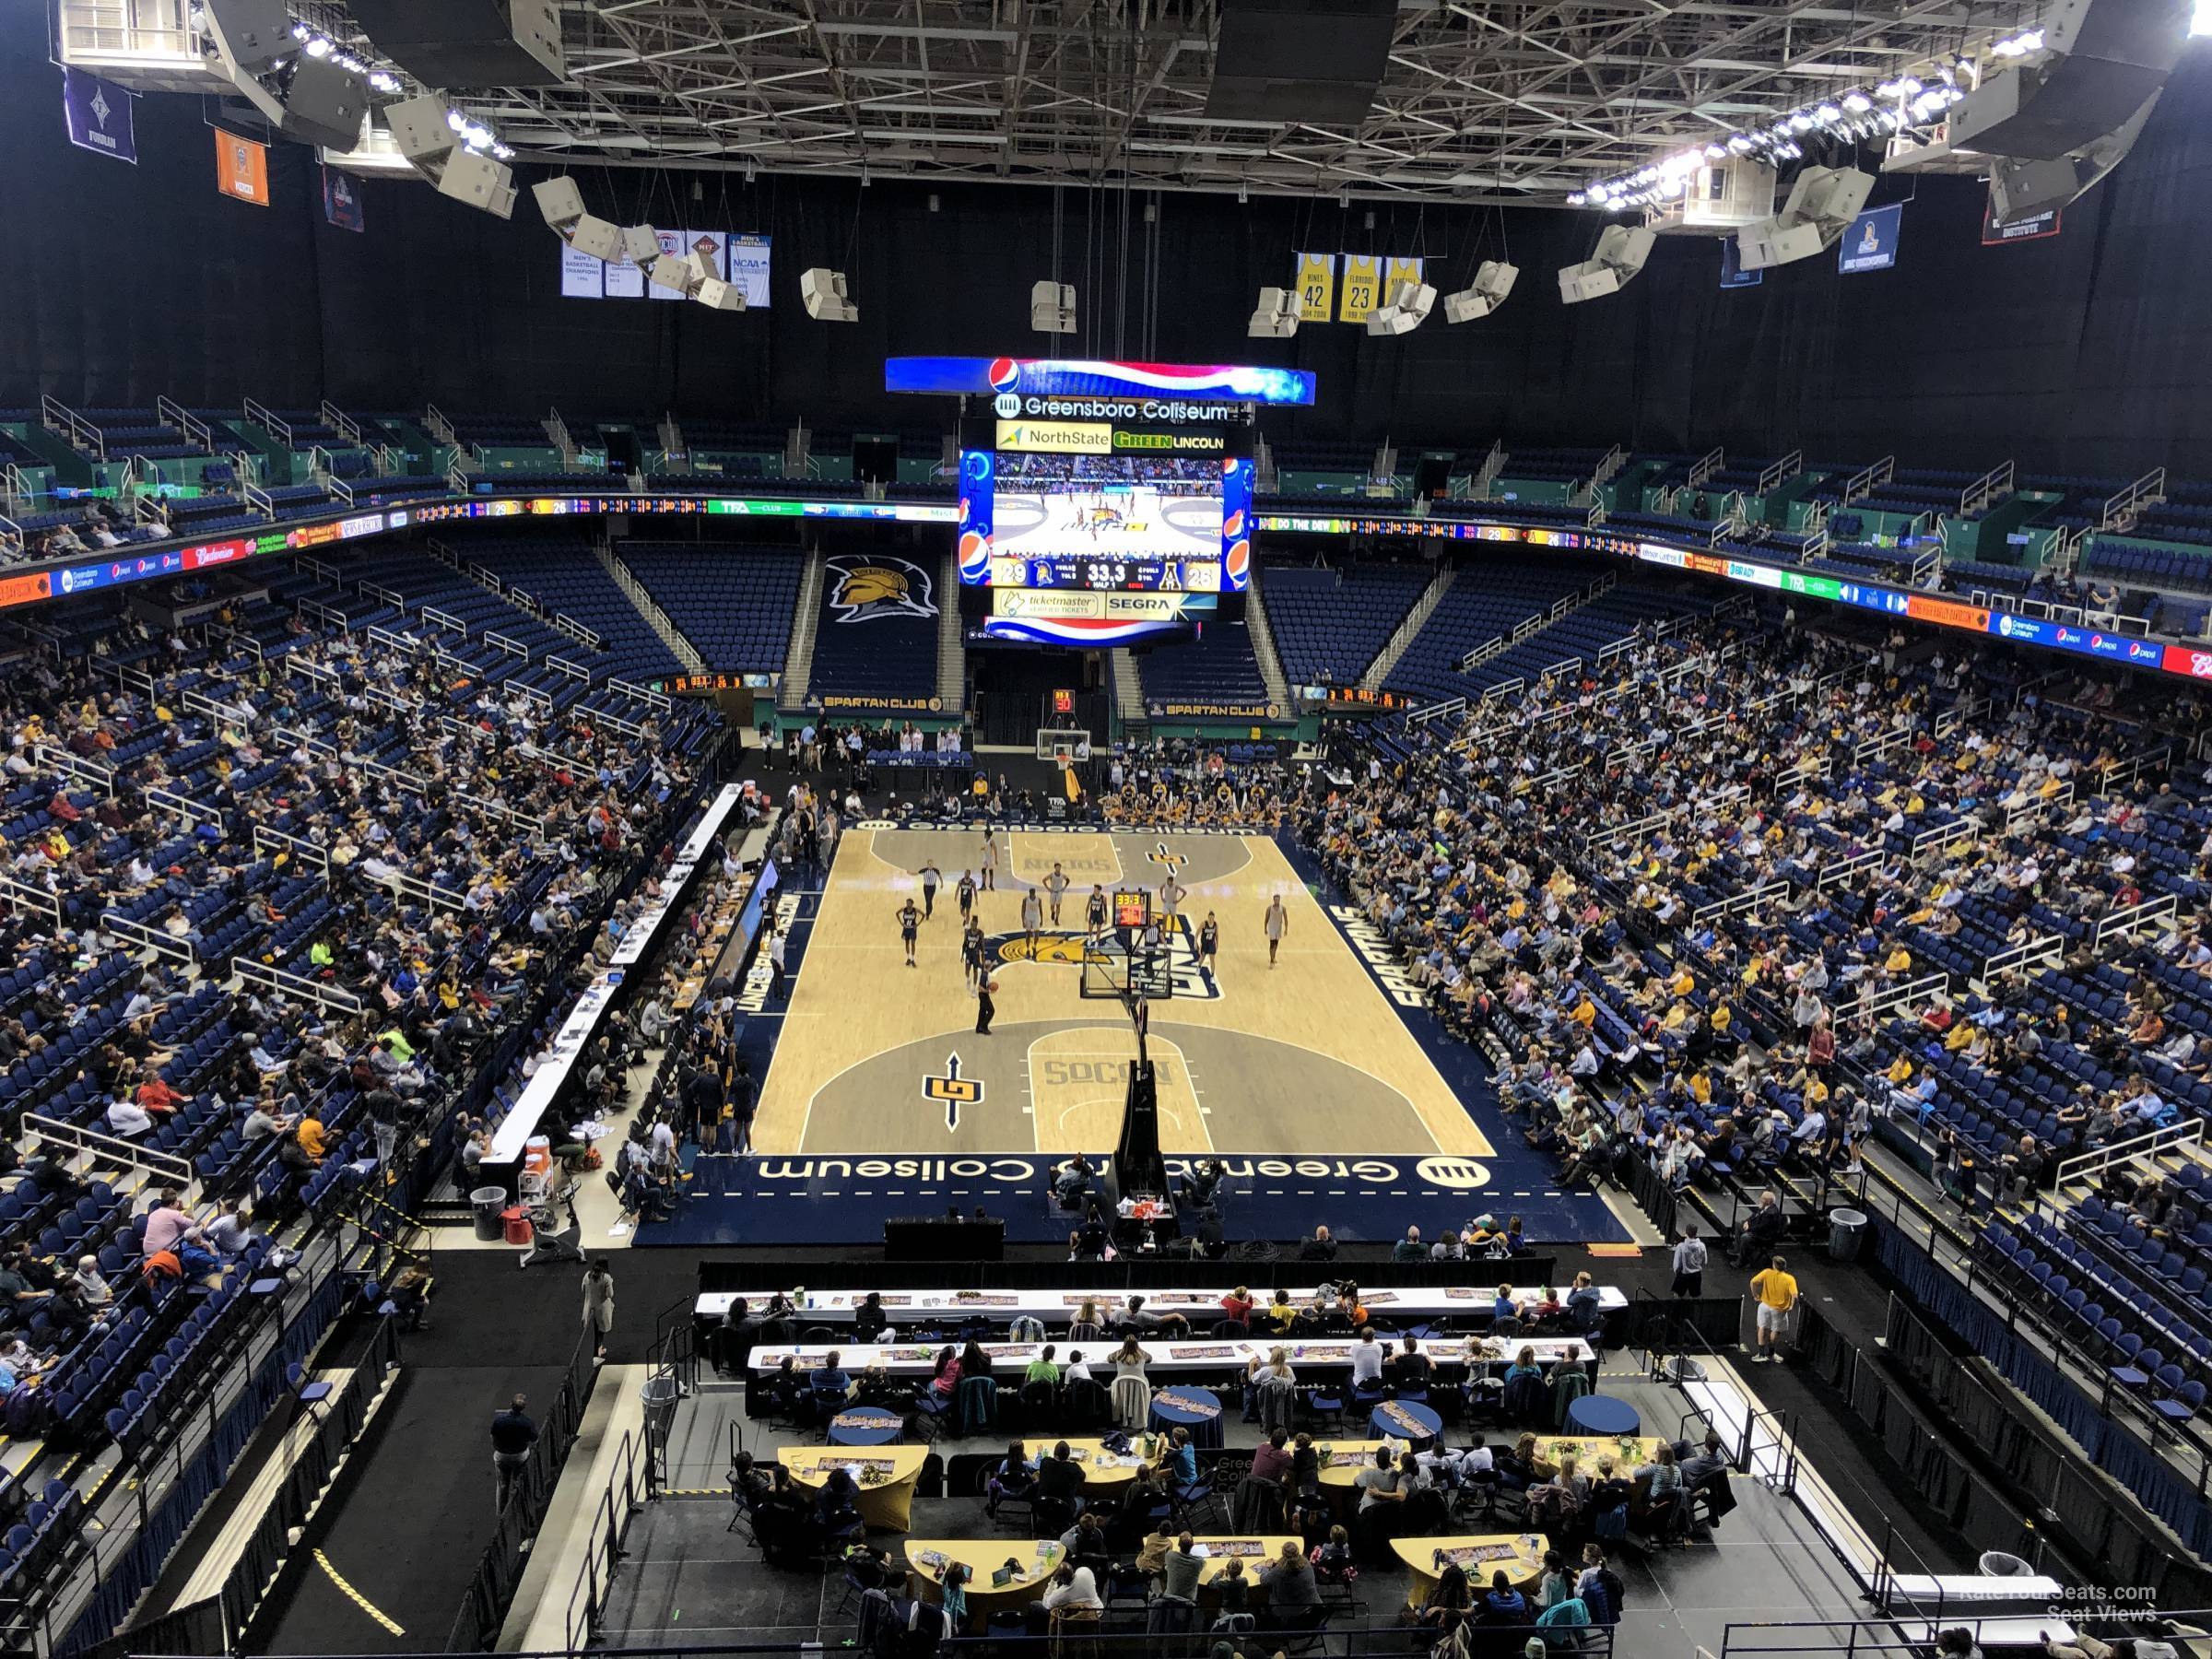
[1777, 1294]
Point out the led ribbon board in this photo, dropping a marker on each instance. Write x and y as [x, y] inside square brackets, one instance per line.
[1074, 377]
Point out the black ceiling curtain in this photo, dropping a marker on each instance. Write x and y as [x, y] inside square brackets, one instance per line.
[2084, 353]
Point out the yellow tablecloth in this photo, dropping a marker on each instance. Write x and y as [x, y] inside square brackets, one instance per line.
[1101, 1468]
[1517, 1555]
[984, 1556]
[888, 1503]
[1629, 1452]
[1347, 1457]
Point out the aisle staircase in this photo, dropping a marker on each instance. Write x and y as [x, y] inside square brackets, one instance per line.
[1128, 690]
[648, 608]
[1262, 648]
[798, 657]
[1378, 672]
[952, 653]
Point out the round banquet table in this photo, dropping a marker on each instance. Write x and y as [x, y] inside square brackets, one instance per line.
[1189, 1408]
[1520, 1555]
[1101, 1468]
[1037, 1563]
[1598, 1414]
[886, 1477]
[865, 1426]
[1418, 1426]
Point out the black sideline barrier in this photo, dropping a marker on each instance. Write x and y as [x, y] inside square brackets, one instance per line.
[758, 1278]
[2007, 1469]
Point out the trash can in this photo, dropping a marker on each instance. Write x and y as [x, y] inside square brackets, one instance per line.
[1996, 1563]
[1846, 1232]
[516, 1221]
[487, 1202]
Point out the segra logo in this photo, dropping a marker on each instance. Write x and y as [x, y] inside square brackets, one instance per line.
[1457, 1174]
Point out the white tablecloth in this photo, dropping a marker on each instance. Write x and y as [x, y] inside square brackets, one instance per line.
[1202, 1307]
[1011, 1359]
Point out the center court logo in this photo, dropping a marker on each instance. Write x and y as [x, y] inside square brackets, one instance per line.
[863, 587]
[1068, 949]
[1454, 1174]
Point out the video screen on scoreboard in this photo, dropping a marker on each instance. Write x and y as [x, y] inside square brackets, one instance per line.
[1100, 507]
[1110, 513]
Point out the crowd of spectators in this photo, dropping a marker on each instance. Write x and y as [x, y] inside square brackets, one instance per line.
[1731, 900]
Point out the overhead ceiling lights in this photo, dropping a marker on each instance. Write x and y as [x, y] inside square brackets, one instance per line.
[1858, 115]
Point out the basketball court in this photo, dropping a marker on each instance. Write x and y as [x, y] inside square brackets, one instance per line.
[1311, 1077]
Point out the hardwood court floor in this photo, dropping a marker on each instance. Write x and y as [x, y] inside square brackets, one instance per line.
[1307, 1058]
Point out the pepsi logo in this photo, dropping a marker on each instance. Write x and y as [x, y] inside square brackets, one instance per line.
[1003, 374]
[1238, 561]
[975, 556]
[1232, 527]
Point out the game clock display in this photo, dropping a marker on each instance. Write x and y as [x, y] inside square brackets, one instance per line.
[1105, 574]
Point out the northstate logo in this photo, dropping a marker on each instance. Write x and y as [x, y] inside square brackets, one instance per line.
[866, 586]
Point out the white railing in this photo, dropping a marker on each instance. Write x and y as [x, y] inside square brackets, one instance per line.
[86, 775]
[1749, 899]
[1863, 482]
[2120, 510]
[561, 665]
[58, 416]
[2162, 914]
[149, 938]
[2047, 947]
[1710, 461]
[1437, 711]
[445, 620]
[1874, 747]
[644, 694]
[1841, 870]
[270, 422]
[22, 892]
[506, 642]
[1778, 473]
[1872, 1004]
[2036, 806]
[2118, 772]
[2085, 1166]
[331, 998]
[1996, 482]
[111, 1149]
[268, 844]
[342, 423]
[183, 806]
[1943, 838]
[403, 885]
[172, 413]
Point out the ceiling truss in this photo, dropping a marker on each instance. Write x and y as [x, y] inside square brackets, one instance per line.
[1518, 100]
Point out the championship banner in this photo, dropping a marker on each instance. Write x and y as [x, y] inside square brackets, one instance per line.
[1317, 285]
[1871, 243]
[241, 168]
[99, 114]
[342, 200]
[748, 269]
[1362, 287]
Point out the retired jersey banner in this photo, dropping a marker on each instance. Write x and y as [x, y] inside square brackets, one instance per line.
[99, 114]
[1316, 285]
[241, 168]
[1398, 271]
[1362, 287]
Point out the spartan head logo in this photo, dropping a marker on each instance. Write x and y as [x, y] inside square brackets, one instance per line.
[865, 586]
